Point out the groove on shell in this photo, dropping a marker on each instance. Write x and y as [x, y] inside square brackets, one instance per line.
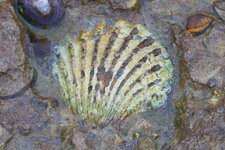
[107, 75]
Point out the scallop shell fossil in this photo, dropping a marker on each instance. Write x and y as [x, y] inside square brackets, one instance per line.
[107, 75]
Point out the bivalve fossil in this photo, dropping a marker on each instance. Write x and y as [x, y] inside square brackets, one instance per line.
[108, 74]
[199, 23]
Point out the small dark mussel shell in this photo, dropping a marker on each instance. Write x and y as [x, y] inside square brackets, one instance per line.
[41, 13]
[219, 8]
[199, 24]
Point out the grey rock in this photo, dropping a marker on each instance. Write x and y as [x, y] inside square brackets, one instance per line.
[79, 141]
[219, 8]
[13, 74]
[124, 4]
[1, 1]
[11, 56]
[202, 127]
[205, 57]
[4, 136]
[18, 114]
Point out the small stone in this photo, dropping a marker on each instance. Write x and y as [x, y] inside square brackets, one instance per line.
[4, 136]
[147, 144]
[128, 145]
[24, 130]
[219, 8]
[124, 4]
[212, 82]
[55, 103]
[82, 126]
[79, 141]
[39, 105]
[91, 140]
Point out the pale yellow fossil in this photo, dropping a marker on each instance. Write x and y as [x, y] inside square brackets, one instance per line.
[107, 75]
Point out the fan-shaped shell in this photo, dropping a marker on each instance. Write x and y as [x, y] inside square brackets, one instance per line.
[107, 75]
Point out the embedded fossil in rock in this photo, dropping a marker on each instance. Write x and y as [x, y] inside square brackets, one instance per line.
[107, 75]
[199, 23]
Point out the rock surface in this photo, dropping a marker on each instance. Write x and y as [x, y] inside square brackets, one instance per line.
[202, 126]
[206, 57]
[11, 56]
[13, 75]
[124, 4]
[4, 136]
[24, 114]
[31, 122]
[3, 1]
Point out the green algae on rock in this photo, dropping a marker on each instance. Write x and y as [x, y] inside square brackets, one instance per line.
[107, 75]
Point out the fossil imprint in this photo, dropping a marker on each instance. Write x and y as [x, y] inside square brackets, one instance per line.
[108, 74]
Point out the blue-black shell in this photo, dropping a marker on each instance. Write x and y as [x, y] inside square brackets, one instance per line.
[41, 14]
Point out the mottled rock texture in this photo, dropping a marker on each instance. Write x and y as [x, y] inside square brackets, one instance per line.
[13, 75]
[124, 4]
[11, 56]
[35, 125]
[202, 126]
[4, 136]
[205, 57]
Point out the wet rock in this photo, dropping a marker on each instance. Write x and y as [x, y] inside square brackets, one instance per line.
[147, 144]
[128, 145]
[4, 136]
[202, 126]
[124, 4]
[92, 140]
[24, 130]
[38, 104]
[143, 127]
[3, 1]
[82, 126]
[66, 133]
[99, 138]
[13, 75]
[108, 137]
[37, 142]
[55, 103]
[12, 82]
[18, 114]
[219, 8]
[79, 141]
[205, 57]
[71, 3]
[11, 56]
[125, 126]
[41, 47]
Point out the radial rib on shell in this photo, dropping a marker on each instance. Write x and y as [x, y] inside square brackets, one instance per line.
[107, 75]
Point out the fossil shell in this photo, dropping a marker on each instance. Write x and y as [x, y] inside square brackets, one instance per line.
[199, 24]
[107, 75]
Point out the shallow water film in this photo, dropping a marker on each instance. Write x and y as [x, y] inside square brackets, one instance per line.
[112, 75]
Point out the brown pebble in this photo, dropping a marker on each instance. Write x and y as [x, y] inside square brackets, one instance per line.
[198, 24]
